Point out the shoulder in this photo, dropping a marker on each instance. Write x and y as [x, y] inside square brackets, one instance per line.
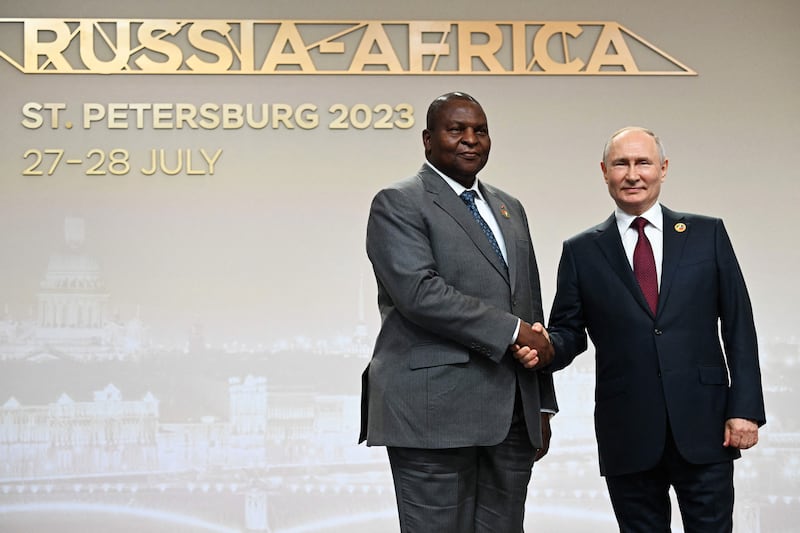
[689, 218]
[424, 179]
[500, 193]
[594, 232]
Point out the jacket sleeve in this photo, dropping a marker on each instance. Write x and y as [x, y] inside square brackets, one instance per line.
[399, 247]
[745, 398]
[567, 326]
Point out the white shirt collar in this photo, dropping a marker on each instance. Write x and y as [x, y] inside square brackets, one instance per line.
[456, 186]
[653, 215]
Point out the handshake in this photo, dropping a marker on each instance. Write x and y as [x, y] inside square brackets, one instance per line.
[533, 348]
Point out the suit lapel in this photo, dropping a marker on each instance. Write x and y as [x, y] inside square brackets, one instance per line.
[444, 197]
[503, 218]
[676, 232]
[610, 244]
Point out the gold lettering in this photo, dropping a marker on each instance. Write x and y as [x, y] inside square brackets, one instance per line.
[211, 160]
[467, 50]
[34, 119]
[152, 170]
[418, 49]
[140, 109]
[117, 116]
[306, 116]
[52, 50]
[288, 36]
[121, 50]
[162, 116]
[92, 113]
[171, 171]
[201, 42]
[245, 52]
[308, 47]
[232, 116]
[189, 170]
[611, 36]
[543, 58]
[156, 43]
[375, 38]
[209, 114]
[519, 47]
[282, 114]
[185, 113]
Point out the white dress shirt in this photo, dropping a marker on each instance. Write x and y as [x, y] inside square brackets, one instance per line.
[654, 231]
[483, 208]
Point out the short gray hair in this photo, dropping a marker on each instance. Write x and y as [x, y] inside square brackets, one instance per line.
[661, 152]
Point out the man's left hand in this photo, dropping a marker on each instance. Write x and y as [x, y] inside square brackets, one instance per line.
[740, 433]
[546, 434]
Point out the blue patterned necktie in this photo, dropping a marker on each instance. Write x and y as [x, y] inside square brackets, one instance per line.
[468, 197]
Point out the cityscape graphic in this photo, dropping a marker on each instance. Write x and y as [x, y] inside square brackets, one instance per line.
[104, 427]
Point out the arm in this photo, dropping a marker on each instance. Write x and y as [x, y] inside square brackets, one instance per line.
[399, 247]
[745, 399]
[546, 434]
[567, 323]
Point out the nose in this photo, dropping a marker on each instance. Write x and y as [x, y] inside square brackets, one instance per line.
[630, 173]
[469, 137]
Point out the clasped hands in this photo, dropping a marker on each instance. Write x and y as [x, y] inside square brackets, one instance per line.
[533, 348]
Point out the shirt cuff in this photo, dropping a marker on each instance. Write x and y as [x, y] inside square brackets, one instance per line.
[516, 331]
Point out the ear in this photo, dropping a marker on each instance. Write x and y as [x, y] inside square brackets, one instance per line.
[603, 168]
[664, 167]
[426, 139]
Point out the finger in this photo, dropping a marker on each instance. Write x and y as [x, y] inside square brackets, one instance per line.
[530, 363]
[523, 353]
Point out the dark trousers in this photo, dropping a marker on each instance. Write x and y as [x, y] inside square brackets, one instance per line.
[704, 492]
[464, 490]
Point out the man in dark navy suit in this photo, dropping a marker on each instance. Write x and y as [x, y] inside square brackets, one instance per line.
[655, 290]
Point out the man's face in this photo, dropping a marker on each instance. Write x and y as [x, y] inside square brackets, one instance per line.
[634, 171]
[458, 143]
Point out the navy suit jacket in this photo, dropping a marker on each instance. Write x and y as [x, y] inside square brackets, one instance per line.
[441, 374]
[668, 368]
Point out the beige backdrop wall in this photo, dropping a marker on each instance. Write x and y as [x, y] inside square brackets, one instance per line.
[208, 376]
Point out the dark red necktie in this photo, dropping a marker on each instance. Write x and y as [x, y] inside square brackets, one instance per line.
[644, 265]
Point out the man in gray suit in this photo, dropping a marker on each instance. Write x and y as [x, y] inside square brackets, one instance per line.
[463, 421]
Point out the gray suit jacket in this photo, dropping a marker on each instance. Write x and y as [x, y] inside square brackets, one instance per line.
[441, 375]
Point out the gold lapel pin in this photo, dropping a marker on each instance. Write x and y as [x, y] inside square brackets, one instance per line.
[504, 211]
[680, 227]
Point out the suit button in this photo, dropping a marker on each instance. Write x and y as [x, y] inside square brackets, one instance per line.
[657, 331]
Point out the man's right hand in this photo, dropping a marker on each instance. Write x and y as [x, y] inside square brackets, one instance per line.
[533, 348]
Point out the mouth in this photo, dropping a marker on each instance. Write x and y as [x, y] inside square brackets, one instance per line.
[469, 155]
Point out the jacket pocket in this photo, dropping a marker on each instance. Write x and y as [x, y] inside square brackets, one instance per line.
[428, 355]
[713, 375]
